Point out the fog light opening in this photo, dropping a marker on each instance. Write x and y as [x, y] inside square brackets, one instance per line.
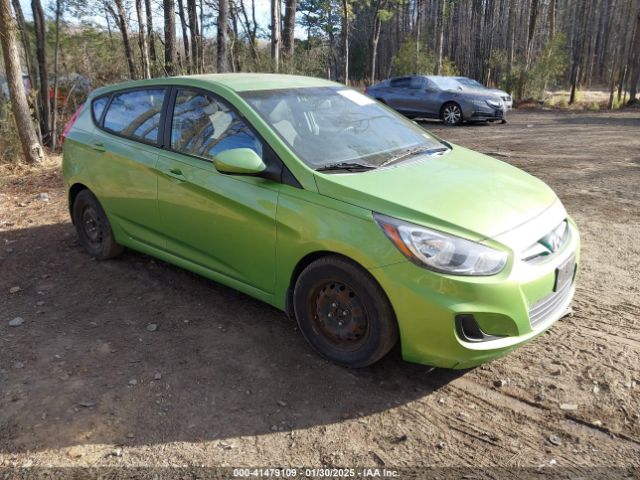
[468, 329]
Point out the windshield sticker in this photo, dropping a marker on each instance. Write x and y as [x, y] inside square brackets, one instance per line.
[356, 97]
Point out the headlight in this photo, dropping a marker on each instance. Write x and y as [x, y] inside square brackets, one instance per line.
[441, 252]
[494, 103]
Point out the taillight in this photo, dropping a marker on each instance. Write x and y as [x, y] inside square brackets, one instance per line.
[70, 123]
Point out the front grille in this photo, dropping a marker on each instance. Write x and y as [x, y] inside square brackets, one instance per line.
[548, 245]
[548, 306]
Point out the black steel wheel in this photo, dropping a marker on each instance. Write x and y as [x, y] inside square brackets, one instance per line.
[343, 313]
[92, 225]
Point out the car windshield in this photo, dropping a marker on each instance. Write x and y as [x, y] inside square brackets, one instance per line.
[329, 125]
[468, 82]
[446, 83]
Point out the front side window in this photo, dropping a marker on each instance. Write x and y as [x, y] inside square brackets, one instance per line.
[136, 114]
[323, 125]
[204, 126]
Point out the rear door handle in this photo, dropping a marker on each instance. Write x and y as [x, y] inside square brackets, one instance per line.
[99, 147]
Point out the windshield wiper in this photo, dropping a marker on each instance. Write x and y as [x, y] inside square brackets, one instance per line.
[346, 166]
[414, 151]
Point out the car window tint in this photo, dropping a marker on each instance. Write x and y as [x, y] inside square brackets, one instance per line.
[204, 127]
[403, 82]
[136, 114]
[98, 106]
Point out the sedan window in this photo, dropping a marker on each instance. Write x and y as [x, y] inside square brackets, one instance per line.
[403, 82]
[136, 114]
[204, 126]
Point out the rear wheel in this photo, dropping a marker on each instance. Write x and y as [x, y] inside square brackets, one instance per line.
[92, 225]
[343, 313]
[451, 114]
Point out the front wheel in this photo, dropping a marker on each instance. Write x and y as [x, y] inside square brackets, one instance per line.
[451, 114]
[343, 313]
[92, 225]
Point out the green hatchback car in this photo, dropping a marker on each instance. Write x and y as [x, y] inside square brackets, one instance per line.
[328, 205]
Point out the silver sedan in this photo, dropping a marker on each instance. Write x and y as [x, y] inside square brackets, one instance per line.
[438, 97]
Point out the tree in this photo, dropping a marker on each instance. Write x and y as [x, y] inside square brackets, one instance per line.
[345, 40]
[31, 147]
[275, 33]
[54, 117]
[185, 35]
[170, 53]
[288, 32]
[150, 35]
[142, 41]
[120, 17]
[43, 81]
[635, 72]
[196, 43]
[223, 36]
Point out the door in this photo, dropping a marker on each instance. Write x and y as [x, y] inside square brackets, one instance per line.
[225, 223]
[398, 96]
[428, 98]
[125, 146]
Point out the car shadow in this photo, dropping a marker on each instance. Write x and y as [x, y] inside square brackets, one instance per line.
[134, 351]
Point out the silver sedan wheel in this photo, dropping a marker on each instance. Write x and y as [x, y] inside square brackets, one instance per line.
[452, 115]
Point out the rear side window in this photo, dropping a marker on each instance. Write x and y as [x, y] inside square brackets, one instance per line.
[136, 114]
[417, 83]
[404, 82]
[204, 126]
[98, 107]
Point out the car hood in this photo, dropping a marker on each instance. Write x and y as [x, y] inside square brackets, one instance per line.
[462, 192]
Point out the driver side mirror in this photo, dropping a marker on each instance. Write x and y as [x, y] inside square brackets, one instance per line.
[239, 160]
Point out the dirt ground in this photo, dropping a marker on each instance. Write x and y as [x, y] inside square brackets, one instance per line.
[225, 380]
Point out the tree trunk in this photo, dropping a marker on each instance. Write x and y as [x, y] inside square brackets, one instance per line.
[33, 151]
[119, 15]
[142, 41]
[54, 116]
[249, 27]
[275, 34]
[170, 54]
[373, 47]
[222, 62]
[195, 35]
[288, 31]
[28, 56]
[43, 83]
[345, 40]
[185, 35]
[440, 37]
[153, 57]
[635, 72]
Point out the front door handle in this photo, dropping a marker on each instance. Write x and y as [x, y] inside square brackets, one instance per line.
[99, 147]
[176, 173]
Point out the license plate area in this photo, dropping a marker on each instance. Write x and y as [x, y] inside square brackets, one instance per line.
[564, 273]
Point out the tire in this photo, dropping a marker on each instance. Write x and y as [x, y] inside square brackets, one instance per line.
[93, 227]
[451, 114]
[343, 313]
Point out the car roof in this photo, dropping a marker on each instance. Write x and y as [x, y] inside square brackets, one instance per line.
[238, 82]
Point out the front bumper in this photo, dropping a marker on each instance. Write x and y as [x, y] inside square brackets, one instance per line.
[512, 307]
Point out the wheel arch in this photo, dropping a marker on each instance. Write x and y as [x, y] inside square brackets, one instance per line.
[311, 257]
[74, 190]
